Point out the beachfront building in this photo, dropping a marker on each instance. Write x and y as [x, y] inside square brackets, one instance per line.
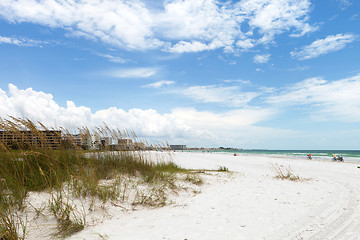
[178, 147]
[139, 146]
[125, 144]
[78, 139]
[74, 141]
[28, 139]
[96, 142]
[55, 140]
[105, 142]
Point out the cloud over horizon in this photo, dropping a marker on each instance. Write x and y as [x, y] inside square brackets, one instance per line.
[336, 101]
[177, 124]
[328, 101]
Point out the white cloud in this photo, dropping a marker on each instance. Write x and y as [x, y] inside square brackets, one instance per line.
[133, 72]
[179, 26]
[273, 17]
[187, 19]
[229, 96]
[22, 42]
[144, 122]
[344, 4]
[159, 84]
[40, 106]
[338, 100]
[194, 46]
[122, 23]
[234, 128]
[323, 46]
[226, 120]
[245, 82]
[245, 44]
[180, 125]
[114, 59]
[262, 58]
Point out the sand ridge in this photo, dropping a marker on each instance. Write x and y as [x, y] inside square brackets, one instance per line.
[249, 203]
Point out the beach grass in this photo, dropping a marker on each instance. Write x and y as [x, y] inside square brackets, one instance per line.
[282, 172]
[71, 171]
[223, 169]
[194, 178]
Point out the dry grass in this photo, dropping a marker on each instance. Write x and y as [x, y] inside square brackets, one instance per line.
[282, 172]
[120, 176]
[194, 179]
[68, 216]
[223, 169]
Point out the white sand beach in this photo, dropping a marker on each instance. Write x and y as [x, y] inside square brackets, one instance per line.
[248, 203]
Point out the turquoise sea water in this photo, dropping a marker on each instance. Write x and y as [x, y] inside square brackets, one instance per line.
[349, 155]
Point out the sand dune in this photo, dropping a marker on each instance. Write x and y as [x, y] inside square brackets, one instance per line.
[249, 203]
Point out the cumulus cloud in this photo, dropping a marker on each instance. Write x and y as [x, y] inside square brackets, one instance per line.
[180, 125]
[275, 17]
[159, 84]
[319, 47]
[122, 23]
[177, 26]
[22, 42]
[338, 100]
[40, 106]
[245, 44]
[144, 122]
[229, 96]
[262, 58]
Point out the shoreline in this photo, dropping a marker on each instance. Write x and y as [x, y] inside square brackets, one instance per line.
[282, 156]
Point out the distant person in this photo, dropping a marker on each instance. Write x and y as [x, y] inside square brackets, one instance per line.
[341, 158]
[309, 156]
[334, 157]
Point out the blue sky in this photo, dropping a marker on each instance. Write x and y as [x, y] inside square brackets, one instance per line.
[274, 74]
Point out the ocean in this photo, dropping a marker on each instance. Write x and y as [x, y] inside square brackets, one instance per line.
[349, 155]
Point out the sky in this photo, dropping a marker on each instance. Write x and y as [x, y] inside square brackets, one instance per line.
[258, 74]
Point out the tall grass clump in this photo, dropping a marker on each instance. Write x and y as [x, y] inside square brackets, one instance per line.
[69, 218]
[12, 226]
[33, 161]
[223, 169]
[282, 172]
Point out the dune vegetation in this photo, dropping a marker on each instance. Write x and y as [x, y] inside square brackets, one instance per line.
[69, 176]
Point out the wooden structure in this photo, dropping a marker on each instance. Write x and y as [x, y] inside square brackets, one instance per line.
[29, 139]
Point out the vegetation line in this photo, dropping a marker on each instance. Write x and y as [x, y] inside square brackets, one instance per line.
[36, 159]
